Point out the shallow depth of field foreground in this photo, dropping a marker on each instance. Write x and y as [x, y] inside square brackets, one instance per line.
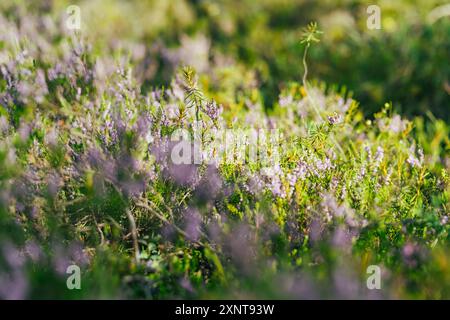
[273, 149]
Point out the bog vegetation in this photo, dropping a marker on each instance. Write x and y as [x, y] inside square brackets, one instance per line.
[86, 171]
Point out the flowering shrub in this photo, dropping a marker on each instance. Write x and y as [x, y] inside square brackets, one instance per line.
[88, 177]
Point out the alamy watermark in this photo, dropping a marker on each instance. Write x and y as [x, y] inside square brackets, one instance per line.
[374, 280]
[73, 20]
[74, 280]
[230, 146]
[373, 21]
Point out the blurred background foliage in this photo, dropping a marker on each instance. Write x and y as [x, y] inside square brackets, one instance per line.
[245, 43]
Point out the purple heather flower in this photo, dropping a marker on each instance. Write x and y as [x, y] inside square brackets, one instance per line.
[412, 254]
[300, 172]
[183, 174]
[4, 125]
[334, 183]
[14, 285]
[13, 256]
[297, 286]
[192, 224]
[54, 183]
[397, 125]
[412, 159]
[316, 230]
[346, 284]
[444, 220]
[168, 232]
[284, 101]
[343, 104]
[213, 110]
[277, 188]
[335, 119]
[362, 172]
[77, 254]
[342, 239]
[60, 260]
[255, 184]
[51, 138]
[24, 131]
[368, 151]
[421, 156]
[33, 250]
[41, 86]
[379, 155]
[324, 165]
[273, 177]
[241, 247]
[187, 285]
[330, 207]
[210, 185]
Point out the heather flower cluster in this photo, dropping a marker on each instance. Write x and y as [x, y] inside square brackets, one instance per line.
[100, 169]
